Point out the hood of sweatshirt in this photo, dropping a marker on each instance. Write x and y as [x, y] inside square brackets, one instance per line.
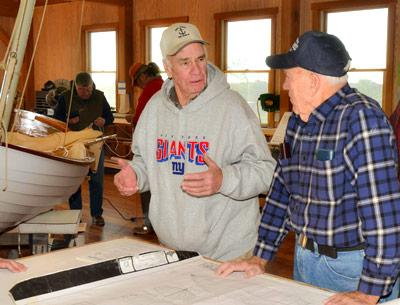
[216, 84]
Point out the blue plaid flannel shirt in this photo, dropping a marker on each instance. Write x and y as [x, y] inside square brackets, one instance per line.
[339, 187]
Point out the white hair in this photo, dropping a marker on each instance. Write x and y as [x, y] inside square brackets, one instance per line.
[334, 80]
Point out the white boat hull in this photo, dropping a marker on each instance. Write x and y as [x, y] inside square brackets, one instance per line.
[32, 182]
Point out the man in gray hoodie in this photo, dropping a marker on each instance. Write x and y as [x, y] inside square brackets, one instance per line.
[199, 148]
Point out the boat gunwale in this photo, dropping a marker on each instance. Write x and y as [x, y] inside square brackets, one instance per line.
[82, 162]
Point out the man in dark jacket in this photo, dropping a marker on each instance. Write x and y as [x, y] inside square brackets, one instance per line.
[89, 109]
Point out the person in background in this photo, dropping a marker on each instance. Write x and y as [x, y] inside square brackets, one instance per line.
[11, 265]
[338, 191]
[148, 78]
[89, 109]
[199, 148]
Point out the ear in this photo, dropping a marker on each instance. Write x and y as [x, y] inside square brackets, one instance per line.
[315, 83]
[167, 67]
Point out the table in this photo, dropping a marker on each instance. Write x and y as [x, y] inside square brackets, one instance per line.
[191, 281]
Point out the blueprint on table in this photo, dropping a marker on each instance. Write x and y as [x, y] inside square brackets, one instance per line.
[188, 282]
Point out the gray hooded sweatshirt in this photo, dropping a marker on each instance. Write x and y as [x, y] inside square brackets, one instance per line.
[169, 142]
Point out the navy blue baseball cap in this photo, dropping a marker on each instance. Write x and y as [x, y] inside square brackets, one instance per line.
[314, 51]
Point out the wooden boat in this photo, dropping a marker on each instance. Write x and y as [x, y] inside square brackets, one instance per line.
[35, 183]
[31, 181]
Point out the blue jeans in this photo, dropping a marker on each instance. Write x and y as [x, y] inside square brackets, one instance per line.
[338, 274]
[96, 180]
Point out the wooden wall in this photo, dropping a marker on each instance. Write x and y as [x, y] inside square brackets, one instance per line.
[6, 26]
[59, 49]
[58, 53]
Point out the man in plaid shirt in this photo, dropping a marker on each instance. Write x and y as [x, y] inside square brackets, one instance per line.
[338, 191]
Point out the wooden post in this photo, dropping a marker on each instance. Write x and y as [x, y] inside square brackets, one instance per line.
[290, 28]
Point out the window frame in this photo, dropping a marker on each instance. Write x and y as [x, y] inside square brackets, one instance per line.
[86, 31]
[221, 22]
[319, 17]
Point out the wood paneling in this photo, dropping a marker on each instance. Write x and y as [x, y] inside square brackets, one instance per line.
[59, 50]
[4, 37]
[290, 11]
[9, 8]
[6, 25]
[126, 54]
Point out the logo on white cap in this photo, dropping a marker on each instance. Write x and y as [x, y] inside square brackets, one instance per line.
[181, 30]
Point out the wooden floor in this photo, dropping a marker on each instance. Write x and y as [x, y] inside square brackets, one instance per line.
[129, 207]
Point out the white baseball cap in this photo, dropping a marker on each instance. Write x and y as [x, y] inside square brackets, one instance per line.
[178, 35]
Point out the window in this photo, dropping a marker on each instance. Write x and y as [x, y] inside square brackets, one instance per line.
[368, 43]
[245, 42]
[155, 34]
[102, 62]
[155, 51]
[368, 59]
[245, 60]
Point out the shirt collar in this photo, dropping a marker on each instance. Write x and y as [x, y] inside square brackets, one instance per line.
[322, 111]
[174, 98]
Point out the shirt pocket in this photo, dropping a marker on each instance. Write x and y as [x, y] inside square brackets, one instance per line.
[326, 180]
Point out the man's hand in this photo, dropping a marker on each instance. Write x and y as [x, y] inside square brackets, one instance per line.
[251, 267]
[99, 122]
[126, 180]
[204, 183]
[352, 298]
[11, 265]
